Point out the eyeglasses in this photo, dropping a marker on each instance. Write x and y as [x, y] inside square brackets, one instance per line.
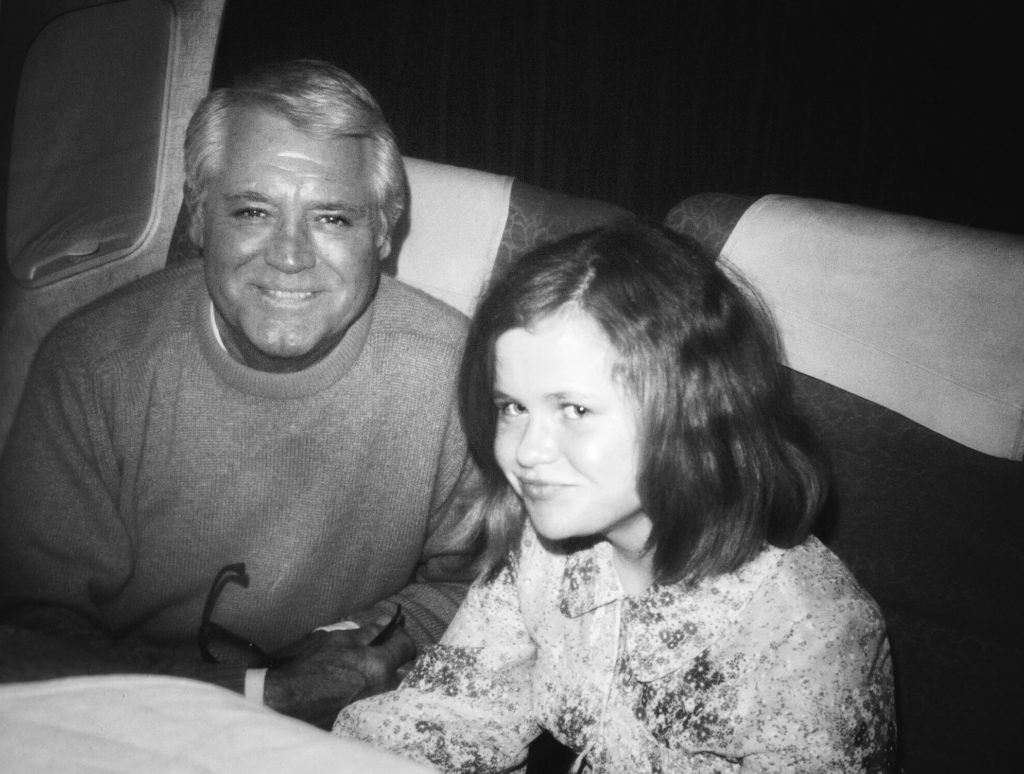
[219, 645]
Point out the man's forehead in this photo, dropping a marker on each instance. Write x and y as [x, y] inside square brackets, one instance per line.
[287, 154]
[261, 141]
[275, 132]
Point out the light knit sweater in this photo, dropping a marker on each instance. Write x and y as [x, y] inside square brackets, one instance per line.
[143, 459]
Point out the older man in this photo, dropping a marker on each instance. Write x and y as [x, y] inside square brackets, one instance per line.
[214, 465]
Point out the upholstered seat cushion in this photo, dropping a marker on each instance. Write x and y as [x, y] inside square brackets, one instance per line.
[933, 530]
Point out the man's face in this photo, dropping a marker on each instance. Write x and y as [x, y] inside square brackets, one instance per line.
[290, 253]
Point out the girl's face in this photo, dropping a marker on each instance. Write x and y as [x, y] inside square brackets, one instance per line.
[567, 432]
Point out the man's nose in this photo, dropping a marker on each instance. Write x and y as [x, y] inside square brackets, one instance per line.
[292, 248]
[537, 445]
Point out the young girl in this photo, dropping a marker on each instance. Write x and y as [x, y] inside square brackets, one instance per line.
[650, 593]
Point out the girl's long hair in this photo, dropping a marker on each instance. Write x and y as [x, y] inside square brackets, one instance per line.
[726, 464]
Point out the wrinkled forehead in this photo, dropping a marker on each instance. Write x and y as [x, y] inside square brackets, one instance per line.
[265, 146]
[266, 125]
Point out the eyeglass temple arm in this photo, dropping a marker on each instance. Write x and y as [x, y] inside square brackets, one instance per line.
[231, 572]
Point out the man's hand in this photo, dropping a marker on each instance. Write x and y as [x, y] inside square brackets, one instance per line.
[327, 670]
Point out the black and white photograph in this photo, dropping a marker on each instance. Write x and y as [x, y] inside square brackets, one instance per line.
[530, 386]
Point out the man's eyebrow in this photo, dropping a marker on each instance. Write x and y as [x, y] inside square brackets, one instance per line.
[244, 196]
[357, 210]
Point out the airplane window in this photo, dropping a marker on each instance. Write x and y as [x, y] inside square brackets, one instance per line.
[87, 139]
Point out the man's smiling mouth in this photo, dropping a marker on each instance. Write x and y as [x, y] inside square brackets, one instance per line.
[288, 295]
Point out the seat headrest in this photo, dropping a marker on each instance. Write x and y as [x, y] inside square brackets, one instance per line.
[455, 224]
[923, 317]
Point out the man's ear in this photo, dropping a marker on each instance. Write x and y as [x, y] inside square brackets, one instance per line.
[195, 226]
[383, 246]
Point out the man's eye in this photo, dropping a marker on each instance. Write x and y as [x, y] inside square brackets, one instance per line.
[336, 220]
[249, 213]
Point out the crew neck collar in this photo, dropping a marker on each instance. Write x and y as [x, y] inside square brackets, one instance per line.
[309, 381]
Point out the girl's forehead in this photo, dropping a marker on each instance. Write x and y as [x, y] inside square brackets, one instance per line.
[558, 352]
[569, 326]
[569, 317]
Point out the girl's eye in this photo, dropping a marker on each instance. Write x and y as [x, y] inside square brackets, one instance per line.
[510, 408]
[574, 411]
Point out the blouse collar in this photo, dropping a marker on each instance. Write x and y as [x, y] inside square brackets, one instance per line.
[668, 626]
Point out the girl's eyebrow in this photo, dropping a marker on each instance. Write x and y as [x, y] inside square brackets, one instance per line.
[554, 397]
[565, 397]
[573, 396]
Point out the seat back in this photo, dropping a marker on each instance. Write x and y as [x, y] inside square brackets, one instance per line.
[925, 508]
[464, 226]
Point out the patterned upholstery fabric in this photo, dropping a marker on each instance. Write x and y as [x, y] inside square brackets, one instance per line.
[537, 216]
[933, 530]
[708, 217]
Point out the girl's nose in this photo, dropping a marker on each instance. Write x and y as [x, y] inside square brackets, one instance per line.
[537, 444]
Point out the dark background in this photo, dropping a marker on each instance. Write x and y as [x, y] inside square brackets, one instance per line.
[905, 107]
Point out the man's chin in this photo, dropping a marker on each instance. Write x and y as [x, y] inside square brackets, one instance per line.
[285, 358]
[284, 351]
[279, 356]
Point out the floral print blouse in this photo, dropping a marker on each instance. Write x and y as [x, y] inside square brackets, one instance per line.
[781, 666]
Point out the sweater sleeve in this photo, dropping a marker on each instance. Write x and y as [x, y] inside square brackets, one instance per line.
[65, 550]
[445, 570]
[63, 545]
[467, 704]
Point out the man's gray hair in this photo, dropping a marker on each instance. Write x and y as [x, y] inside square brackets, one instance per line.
[318, 98]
